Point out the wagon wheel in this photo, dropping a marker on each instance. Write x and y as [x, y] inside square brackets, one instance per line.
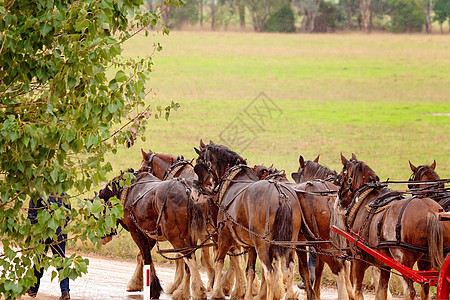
[443, 287]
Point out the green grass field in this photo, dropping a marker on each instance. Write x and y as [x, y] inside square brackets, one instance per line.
[384, 97]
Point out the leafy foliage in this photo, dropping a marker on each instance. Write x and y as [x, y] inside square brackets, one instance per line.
[281, 20]
[67, 98]
[441, 10]
[407, 15]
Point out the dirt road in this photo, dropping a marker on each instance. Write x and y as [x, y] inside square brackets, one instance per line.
[107, 279]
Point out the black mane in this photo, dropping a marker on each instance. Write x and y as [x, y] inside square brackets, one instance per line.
[316, 170]
[225, 157]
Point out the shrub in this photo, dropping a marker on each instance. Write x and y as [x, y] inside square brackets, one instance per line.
[406, 15]
[281, 20]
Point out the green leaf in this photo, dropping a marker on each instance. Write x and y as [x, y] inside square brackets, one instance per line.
[45, 28]
[120, 76]
[97, 206]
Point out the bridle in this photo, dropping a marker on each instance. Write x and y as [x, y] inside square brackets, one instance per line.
[149, 166]
[199, 185]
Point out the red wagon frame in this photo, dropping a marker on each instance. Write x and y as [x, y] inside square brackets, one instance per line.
[441, 278]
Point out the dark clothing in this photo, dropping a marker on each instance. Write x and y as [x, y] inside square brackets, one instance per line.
[58, 248]
[41, 204]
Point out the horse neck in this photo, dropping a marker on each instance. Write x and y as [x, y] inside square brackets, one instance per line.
[187, 172]
[161, 163]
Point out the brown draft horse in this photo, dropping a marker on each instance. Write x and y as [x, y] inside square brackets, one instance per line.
[164, 166]
[317, 194]
[156, 210]
[435, 191]
[252, 213]
[405, 229]
[167, 166]
[270, 173]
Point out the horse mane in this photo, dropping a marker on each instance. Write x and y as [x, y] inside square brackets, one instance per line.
[316, 170]
[225, 157]
[369, 174]
[167, 156]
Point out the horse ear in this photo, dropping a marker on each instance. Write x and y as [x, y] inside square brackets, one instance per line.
[202, 145]
[211, 142]
[294, 176]
[344, 160]
[317, 159]
[301, 161]
[144, 155]
[433, 165]
[197, 151]
[413, 167]
[354, 156]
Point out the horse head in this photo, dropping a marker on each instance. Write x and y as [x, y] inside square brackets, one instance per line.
[355, 174]
[158, 163]
[311, 170]
[213, 162]
[424, 173]
[263, 172]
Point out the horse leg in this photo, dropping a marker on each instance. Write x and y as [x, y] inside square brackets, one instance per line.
[383, 284]
[206, 262]
[240, 285]
[198, 290]
[423, 264]
[224, 242]
[304, 273]
[145, 245]
[318, 276]
[228, 281]
[346, 273]
[263, 288]
[358, 270]
[250, 272]
[278, 264]
[409, 292]
[376, 273]
[183, 290]
[136, 283]
[179, 274]
[290, 266]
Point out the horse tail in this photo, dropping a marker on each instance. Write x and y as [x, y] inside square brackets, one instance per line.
[282, 228]
[196, 219]
[435, 241]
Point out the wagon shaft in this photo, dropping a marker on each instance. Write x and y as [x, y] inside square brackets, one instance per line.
[421, 277]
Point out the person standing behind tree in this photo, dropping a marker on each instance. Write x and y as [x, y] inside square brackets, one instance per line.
[58, 247]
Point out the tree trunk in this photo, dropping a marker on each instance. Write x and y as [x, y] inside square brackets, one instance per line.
[165, 14]
[349, 14]
[311, 18]
[241, 9]
[442, 28]
[201, 13]
[364, 7]
[213, 12]
[428, 7]
[150, 5]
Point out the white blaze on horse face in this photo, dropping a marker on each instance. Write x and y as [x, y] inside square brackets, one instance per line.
[195, 195]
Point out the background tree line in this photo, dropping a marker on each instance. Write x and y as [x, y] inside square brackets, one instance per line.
[310, 15]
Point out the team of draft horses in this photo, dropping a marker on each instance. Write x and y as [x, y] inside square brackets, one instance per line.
[220, 202]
